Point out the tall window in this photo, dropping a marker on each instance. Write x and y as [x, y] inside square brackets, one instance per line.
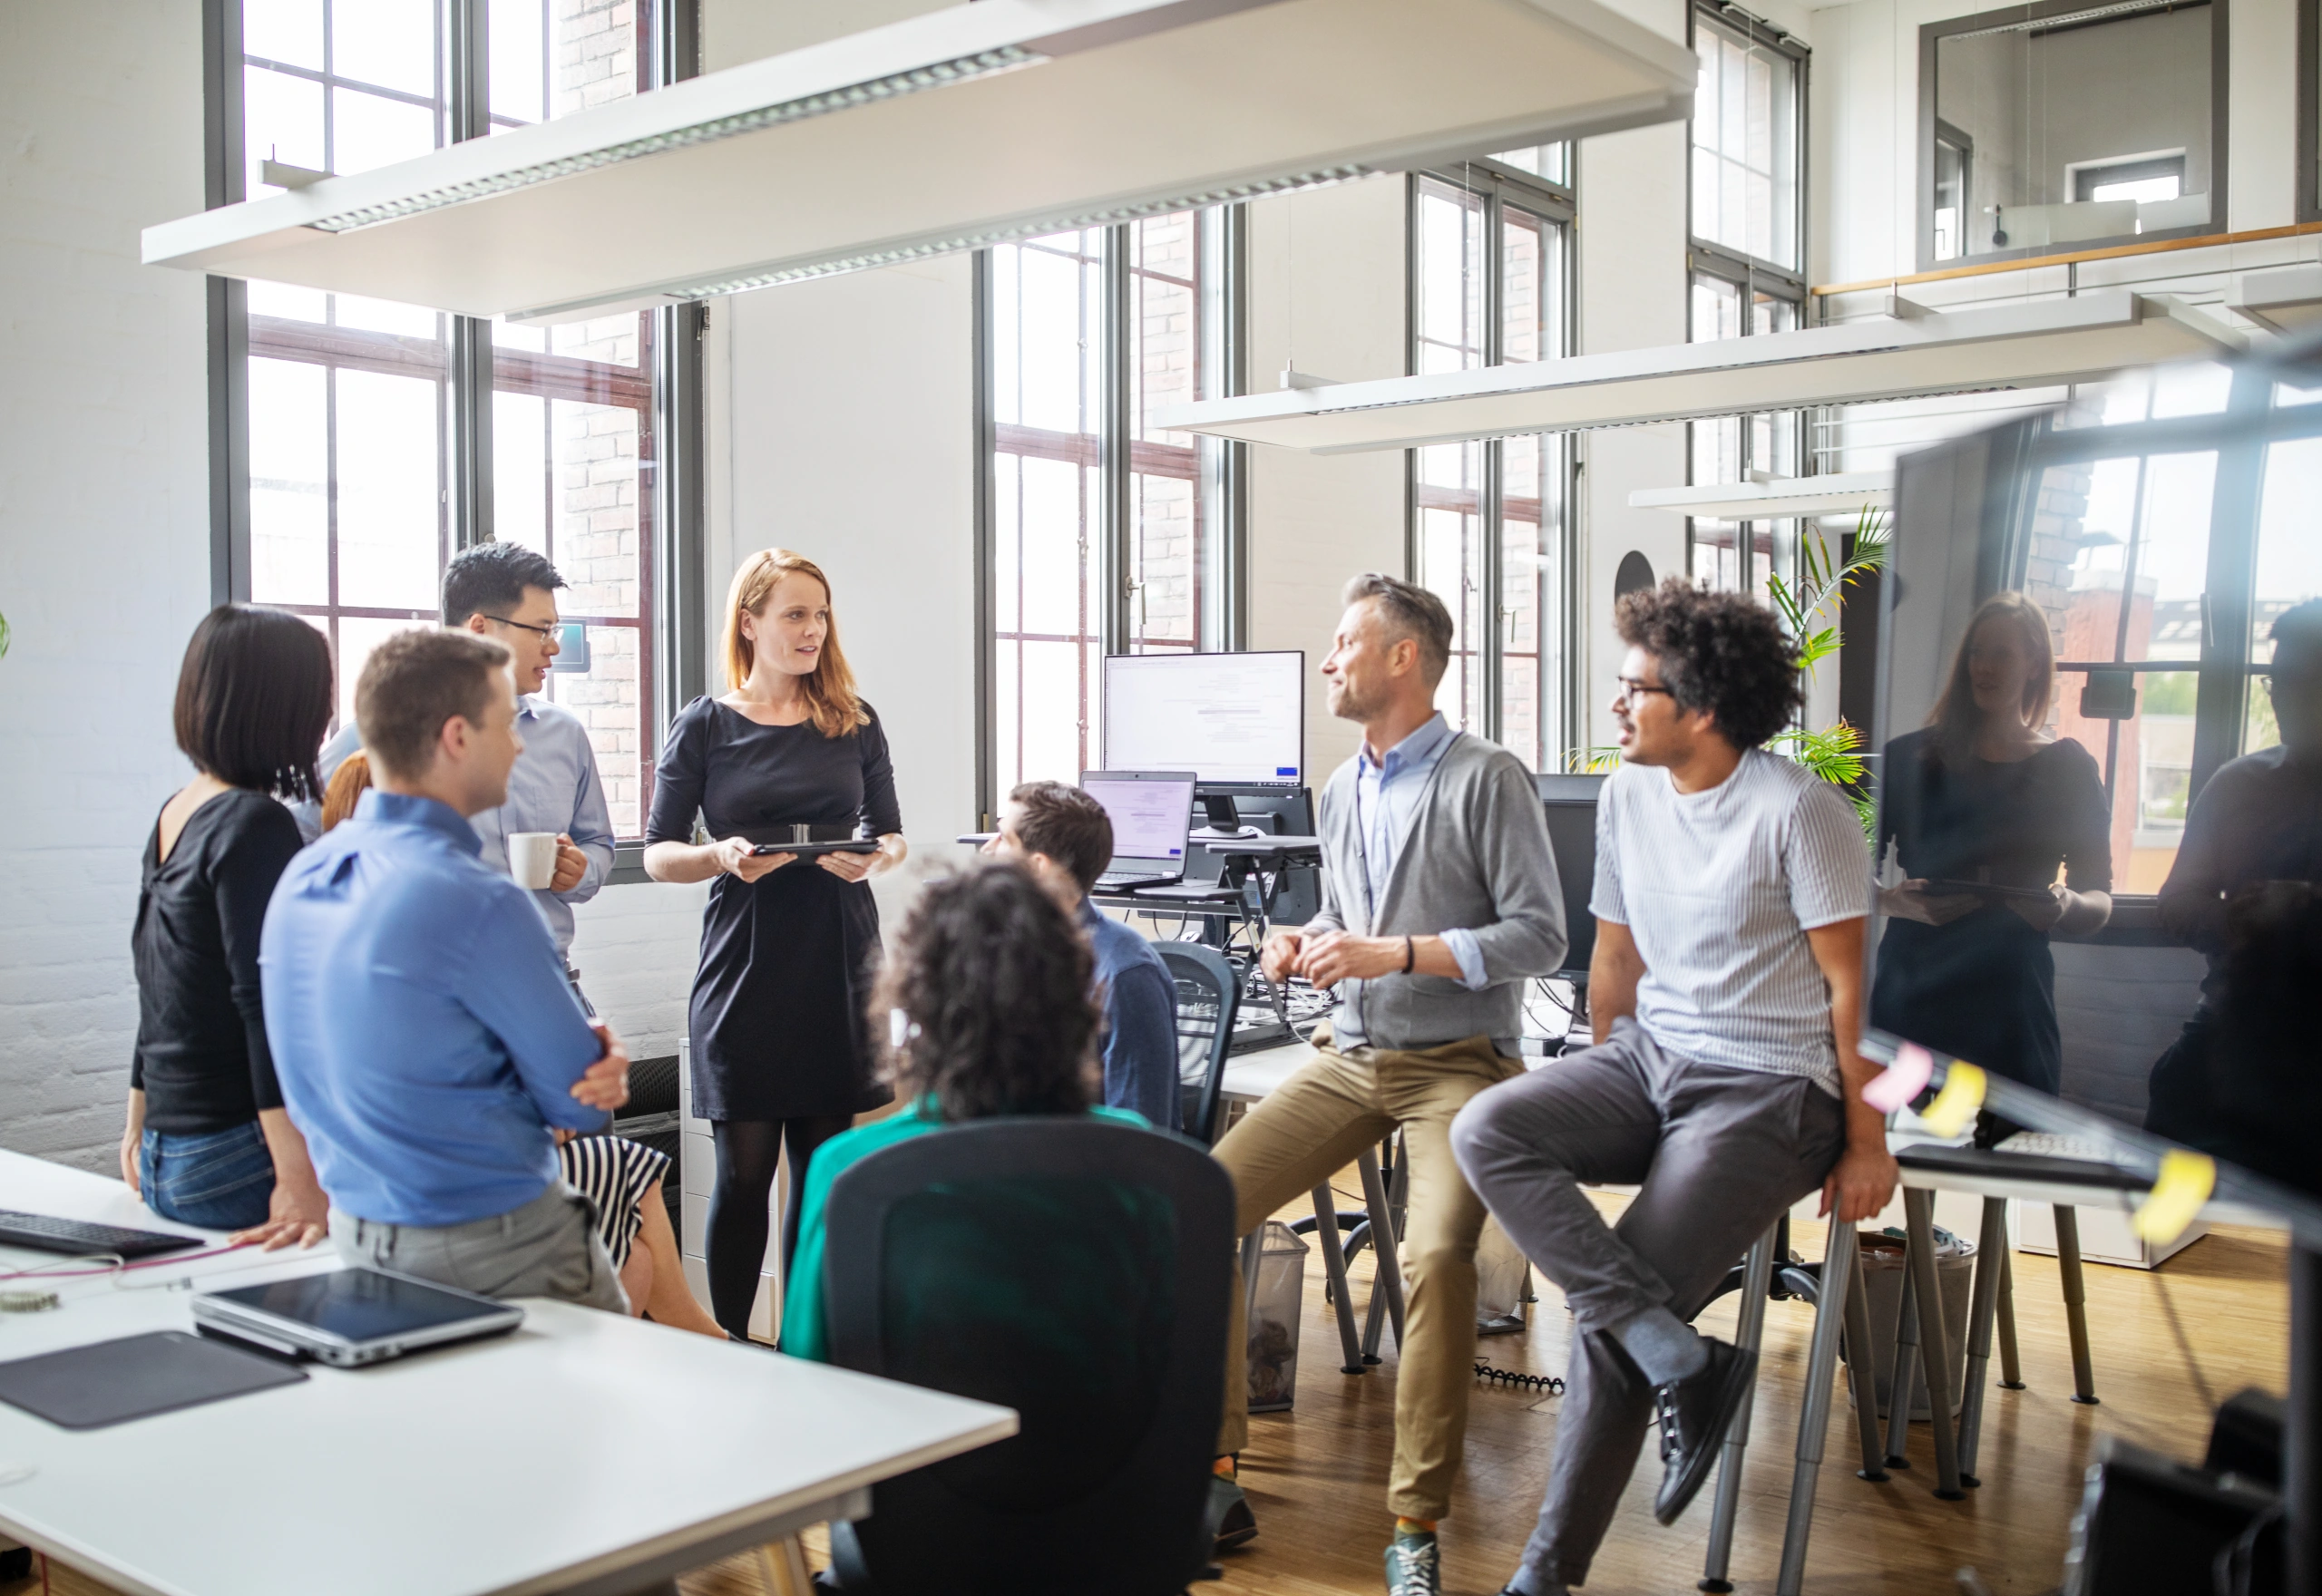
[354, 467]
[1107, 533]
[1490, 528]
[1747, 246]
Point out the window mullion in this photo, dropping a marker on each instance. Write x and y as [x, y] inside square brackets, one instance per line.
[1114, 423]
[1492, 499]
[466, 77]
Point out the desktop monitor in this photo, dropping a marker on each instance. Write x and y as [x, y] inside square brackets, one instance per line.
[1571, 805]
[1238, 718]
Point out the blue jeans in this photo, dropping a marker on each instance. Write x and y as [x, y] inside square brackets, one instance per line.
[221, 1181]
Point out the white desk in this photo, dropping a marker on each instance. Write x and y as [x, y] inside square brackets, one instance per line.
[585, 1453]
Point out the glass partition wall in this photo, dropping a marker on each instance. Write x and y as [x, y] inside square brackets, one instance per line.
[2083, 643]
[2063, 125]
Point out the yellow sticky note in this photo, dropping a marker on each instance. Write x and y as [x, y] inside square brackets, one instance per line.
[2184, 1183]
[1956, 1104]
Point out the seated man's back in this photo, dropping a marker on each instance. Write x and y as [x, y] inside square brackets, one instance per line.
[434, 1035]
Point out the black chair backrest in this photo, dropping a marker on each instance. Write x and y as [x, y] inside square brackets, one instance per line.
[1209, 993]
[1075, 1270]
[1570, 802]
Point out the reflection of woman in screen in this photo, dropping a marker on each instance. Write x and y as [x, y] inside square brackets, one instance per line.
[1982, 807]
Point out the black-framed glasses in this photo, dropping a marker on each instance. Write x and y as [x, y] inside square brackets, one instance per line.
[554, 631]
[1631, 688]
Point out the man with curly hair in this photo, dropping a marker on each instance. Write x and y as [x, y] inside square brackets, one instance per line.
[1732, 891]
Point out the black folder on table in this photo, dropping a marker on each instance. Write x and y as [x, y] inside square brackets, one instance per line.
[111, 1382]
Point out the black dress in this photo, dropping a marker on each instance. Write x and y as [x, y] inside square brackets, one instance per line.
[787, 962]
[1984, 988]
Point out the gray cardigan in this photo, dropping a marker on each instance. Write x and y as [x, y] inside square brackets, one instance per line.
[1478, 858]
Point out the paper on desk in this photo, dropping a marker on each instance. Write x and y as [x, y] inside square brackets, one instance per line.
[2184, 1183]
[1956, 1104]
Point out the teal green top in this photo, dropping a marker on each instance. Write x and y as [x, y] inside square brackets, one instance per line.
[805, 1332]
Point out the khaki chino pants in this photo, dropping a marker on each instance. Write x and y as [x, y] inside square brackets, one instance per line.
[1314, 1124]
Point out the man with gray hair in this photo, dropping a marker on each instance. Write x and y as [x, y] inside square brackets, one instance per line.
[1439, 900]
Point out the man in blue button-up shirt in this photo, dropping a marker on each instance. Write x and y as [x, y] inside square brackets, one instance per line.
[507, 593]
[422, 1028]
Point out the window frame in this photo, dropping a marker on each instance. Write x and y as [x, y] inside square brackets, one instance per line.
[2308, 198]
[1749, 278]
[673, 656]
[2220, 167]
[1758, 30]
[1223, 606]
[1497, 185]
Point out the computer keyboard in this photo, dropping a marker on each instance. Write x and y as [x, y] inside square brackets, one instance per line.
[1131, 881]
[2054, 1144]
[45, 1233]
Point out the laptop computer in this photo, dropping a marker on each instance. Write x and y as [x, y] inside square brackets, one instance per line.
[1152, 811]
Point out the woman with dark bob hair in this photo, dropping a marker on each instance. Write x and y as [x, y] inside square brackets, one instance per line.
[985, 1007]
[208, 1142]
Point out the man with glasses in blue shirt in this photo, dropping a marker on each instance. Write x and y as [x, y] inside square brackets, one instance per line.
[507, 593]
[424, 1036]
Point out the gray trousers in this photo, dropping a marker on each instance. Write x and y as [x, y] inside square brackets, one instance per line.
[1718, 1153]
[547, 1248]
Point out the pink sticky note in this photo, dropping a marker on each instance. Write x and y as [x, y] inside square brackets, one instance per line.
[1902, 1080]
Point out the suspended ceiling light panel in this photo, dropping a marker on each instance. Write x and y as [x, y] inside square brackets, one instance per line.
[2033, 345]
[2287, 300]
[1842, 496]
[966, 126]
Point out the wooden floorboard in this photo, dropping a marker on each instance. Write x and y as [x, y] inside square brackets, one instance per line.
[1317, 1476]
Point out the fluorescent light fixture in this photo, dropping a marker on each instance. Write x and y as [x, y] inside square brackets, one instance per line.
[2034, 345]
[2286, 301]
[1841, 497]
[968, 125]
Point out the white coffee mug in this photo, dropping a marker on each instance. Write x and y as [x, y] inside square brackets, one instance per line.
[531, 859]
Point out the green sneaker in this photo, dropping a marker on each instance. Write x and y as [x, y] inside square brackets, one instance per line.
[1414, 1566]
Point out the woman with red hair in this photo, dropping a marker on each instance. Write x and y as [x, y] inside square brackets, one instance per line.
[781, 1056]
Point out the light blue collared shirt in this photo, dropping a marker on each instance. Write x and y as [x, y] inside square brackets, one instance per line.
[1387, 802]
[421, 1024]
[554, 787]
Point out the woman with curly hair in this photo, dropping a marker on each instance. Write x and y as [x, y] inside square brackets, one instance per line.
[987, 1012]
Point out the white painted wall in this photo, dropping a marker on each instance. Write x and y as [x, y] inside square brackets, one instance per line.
[104, 533]
[1326, 291]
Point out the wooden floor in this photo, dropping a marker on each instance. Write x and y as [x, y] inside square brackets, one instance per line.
[1317, 1476]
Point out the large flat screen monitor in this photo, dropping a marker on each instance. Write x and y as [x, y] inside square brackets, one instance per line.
[1232, 717]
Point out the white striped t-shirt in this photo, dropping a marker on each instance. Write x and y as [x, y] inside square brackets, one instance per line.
[1719, 889]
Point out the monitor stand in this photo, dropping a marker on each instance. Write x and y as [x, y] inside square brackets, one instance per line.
[1225, 820]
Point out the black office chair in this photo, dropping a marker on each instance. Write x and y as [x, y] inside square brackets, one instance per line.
[1209, 994]
[1071, 1270]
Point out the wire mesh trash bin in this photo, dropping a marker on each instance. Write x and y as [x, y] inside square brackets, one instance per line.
[1279, 1293]
[1882, 1277]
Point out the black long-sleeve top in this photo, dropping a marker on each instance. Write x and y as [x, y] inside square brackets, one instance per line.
[201, 1057]
[2259, 819]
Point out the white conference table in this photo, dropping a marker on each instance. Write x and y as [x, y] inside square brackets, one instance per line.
[585, 1453]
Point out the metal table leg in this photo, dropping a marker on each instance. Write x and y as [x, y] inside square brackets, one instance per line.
[1935, 1355]
[1814, 1418]
[1388, 1276]
[1861, 1359]
[2011, 1367]
[1326, 1233]
[1750, 1332]
[1900, 1378]
[1991, 1249]
[2083, 1373]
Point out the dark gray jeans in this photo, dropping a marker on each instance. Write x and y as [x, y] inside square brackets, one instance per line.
[1718, 1153]
[547, 1248]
